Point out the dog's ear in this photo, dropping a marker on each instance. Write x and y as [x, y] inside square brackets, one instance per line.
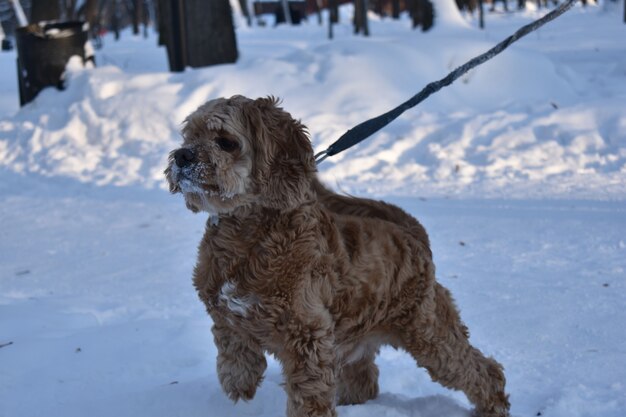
[284, 164]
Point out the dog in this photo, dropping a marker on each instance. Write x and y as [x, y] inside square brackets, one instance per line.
[317, 279]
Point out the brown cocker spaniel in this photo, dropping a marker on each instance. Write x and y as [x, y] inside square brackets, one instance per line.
[319, 280]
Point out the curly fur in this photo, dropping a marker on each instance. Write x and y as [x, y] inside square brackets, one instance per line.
[317, 279]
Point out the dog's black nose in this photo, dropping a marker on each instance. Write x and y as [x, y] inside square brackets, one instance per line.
[184, 157]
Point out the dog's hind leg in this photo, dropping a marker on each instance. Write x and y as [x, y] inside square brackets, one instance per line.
[358, 381]
[444, 350]
[240, 363]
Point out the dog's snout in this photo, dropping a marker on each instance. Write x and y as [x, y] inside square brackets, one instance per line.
[184, 157]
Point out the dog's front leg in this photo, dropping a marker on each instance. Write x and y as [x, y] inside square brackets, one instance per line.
[240, 362]
[309, 366]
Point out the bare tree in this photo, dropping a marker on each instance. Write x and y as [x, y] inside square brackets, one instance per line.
[333, 11]
[137, 13]
[422, 13]
[395, 9]
[161, 21]
[116, 18]
[360, 17]
[246, 12]
[89, 11]
[506, 5]
[68, 9]
[318, 10]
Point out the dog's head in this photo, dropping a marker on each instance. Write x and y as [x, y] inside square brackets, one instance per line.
[241, 152]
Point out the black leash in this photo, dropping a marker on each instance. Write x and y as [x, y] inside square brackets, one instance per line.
[371, 126]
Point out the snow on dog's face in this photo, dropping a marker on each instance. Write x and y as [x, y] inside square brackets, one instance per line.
[241, 152]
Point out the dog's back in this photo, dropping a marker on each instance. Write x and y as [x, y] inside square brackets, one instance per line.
[365, 207]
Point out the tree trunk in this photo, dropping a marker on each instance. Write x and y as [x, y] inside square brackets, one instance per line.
[176, 31]
[395, 9]
[210, 33]
[69, 12]
[318, 11]
[146, 17]
[356, 18]
[286, 12]
[163, 13]
[481, 15]
[137, 15]
[45, 10]
[115, 19]
[333, 10]
[378, 7]
[360, 17]
[244, 9]
[364, 23]
[422, 13]
[88, 12]
[412, 6]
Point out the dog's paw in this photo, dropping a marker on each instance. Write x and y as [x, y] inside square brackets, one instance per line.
[353, 398]
[239, 387]
[241, 393]
[240, 373]
[500, 411]
[310, 410]
[357, 392]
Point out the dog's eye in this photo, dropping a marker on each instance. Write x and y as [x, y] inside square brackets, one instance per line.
[227, 145]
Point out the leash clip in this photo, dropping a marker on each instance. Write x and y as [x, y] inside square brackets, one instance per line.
[320, 156]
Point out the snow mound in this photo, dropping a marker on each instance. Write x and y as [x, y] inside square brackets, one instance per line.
[447, 15]
[538, 120]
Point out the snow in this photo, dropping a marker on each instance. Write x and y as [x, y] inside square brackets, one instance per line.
[518, 172]
[540, 120]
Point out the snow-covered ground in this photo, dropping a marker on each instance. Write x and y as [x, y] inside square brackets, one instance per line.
[518, 171]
